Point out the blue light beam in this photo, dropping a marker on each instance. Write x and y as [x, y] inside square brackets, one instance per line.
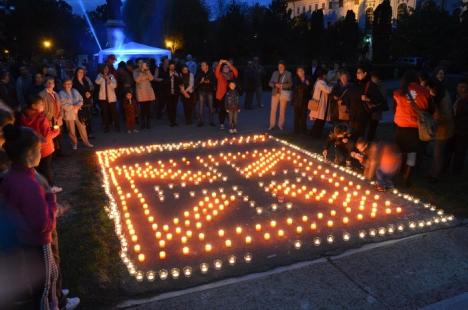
[80, 2]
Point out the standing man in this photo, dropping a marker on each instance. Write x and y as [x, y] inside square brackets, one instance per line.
[23, 84]
[281, 84]
[191, 64]
[162, 78]
[205, 85]
[173, 89]
[258, 80]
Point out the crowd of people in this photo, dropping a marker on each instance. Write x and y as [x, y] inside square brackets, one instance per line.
[38, 109]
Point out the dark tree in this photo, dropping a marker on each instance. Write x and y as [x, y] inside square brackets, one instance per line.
[428, 32]
[33, 21]
[381, 32]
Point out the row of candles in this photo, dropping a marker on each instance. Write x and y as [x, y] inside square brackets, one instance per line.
[115, 214]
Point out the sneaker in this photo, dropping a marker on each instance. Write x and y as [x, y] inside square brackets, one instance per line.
[65, 292]
[234, 130]
[56, 189]
[129, 131]
[135, 131]
[72, 303]
[221, 127]
[89, 145]
[380, 188]
[75, 147]
[231, 130]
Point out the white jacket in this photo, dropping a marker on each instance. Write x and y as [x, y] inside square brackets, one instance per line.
[111, 86]
[321, 92]
[71, 102]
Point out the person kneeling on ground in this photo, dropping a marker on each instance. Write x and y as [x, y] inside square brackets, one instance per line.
[340, 139]
[380, 160]
[232, 105]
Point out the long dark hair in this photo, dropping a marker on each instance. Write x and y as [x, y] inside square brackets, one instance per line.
[18, 142]
[439, 90]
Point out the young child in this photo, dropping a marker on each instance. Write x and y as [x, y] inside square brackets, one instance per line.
[130, 109]
[35, 118]
[340, 139]
[232, 104]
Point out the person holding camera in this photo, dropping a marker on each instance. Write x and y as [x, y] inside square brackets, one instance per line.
[107, 98]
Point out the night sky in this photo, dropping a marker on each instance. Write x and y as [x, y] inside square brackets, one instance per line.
[91, 4]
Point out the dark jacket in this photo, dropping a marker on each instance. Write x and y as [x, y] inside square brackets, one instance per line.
[342, 93]
[232, 100]
[209, 83]
[302, 92]
[250, 79]
[87, 86]
[8, 95]
[461, 117]
[359, 111]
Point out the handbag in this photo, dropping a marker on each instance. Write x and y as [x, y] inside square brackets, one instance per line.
[313, 104]
[426, 124]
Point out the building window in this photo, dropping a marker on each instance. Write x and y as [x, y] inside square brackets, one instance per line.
[310, 8]
[316, 6]
[340, 3]
[298, 11]
[303, 9]
[323, 6]
[330, 5]
[356, 2]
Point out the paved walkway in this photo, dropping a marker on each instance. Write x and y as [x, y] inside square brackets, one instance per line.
[406, 274]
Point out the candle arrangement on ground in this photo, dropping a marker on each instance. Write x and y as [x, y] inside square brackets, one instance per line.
[201, 209]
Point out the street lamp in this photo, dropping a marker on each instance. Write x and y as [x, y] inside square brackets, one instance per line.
[47, 44]
[171, 45]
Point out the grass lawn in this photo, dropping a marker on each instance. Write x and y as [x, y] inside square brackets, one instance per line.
[91, 265]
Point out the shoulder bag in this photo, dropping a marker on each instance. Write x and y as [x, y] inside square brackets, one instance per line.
[426, 124]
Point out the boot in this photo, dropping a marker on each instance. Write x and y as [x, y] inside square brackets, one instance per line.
[407, 172]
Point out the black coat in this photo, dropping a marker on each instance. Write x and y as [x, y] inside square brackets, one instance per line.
[8, 95]
[301, 92]
[358, 109]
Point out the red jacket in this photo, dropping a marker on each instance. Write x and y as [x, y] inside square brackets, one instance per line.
[222, 85]
[41, 125]
[32, 210]
[404, 113]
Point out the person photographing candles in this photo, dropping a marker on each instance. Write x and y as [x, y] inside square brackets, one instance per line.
[340, 140]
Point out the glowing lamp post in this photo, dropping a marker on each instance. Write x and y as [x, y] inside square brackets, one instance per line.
[47, 44]
[172, 45]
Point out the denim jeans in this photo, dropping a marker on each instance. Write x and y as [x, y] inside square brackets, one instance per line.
[206, 99]
[384, 179]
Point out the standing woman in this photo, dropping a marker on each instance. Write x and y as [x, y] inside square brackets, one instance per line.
[33, 209]
[300, 97]
[406, 120]
[443, 117]
[72, 102]
[85, 87]
[144, 92]
[368, 100]
[320, 95]
[186, 89]
[107, 98]
[340, 99]
[224, 73]
[281, 84]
